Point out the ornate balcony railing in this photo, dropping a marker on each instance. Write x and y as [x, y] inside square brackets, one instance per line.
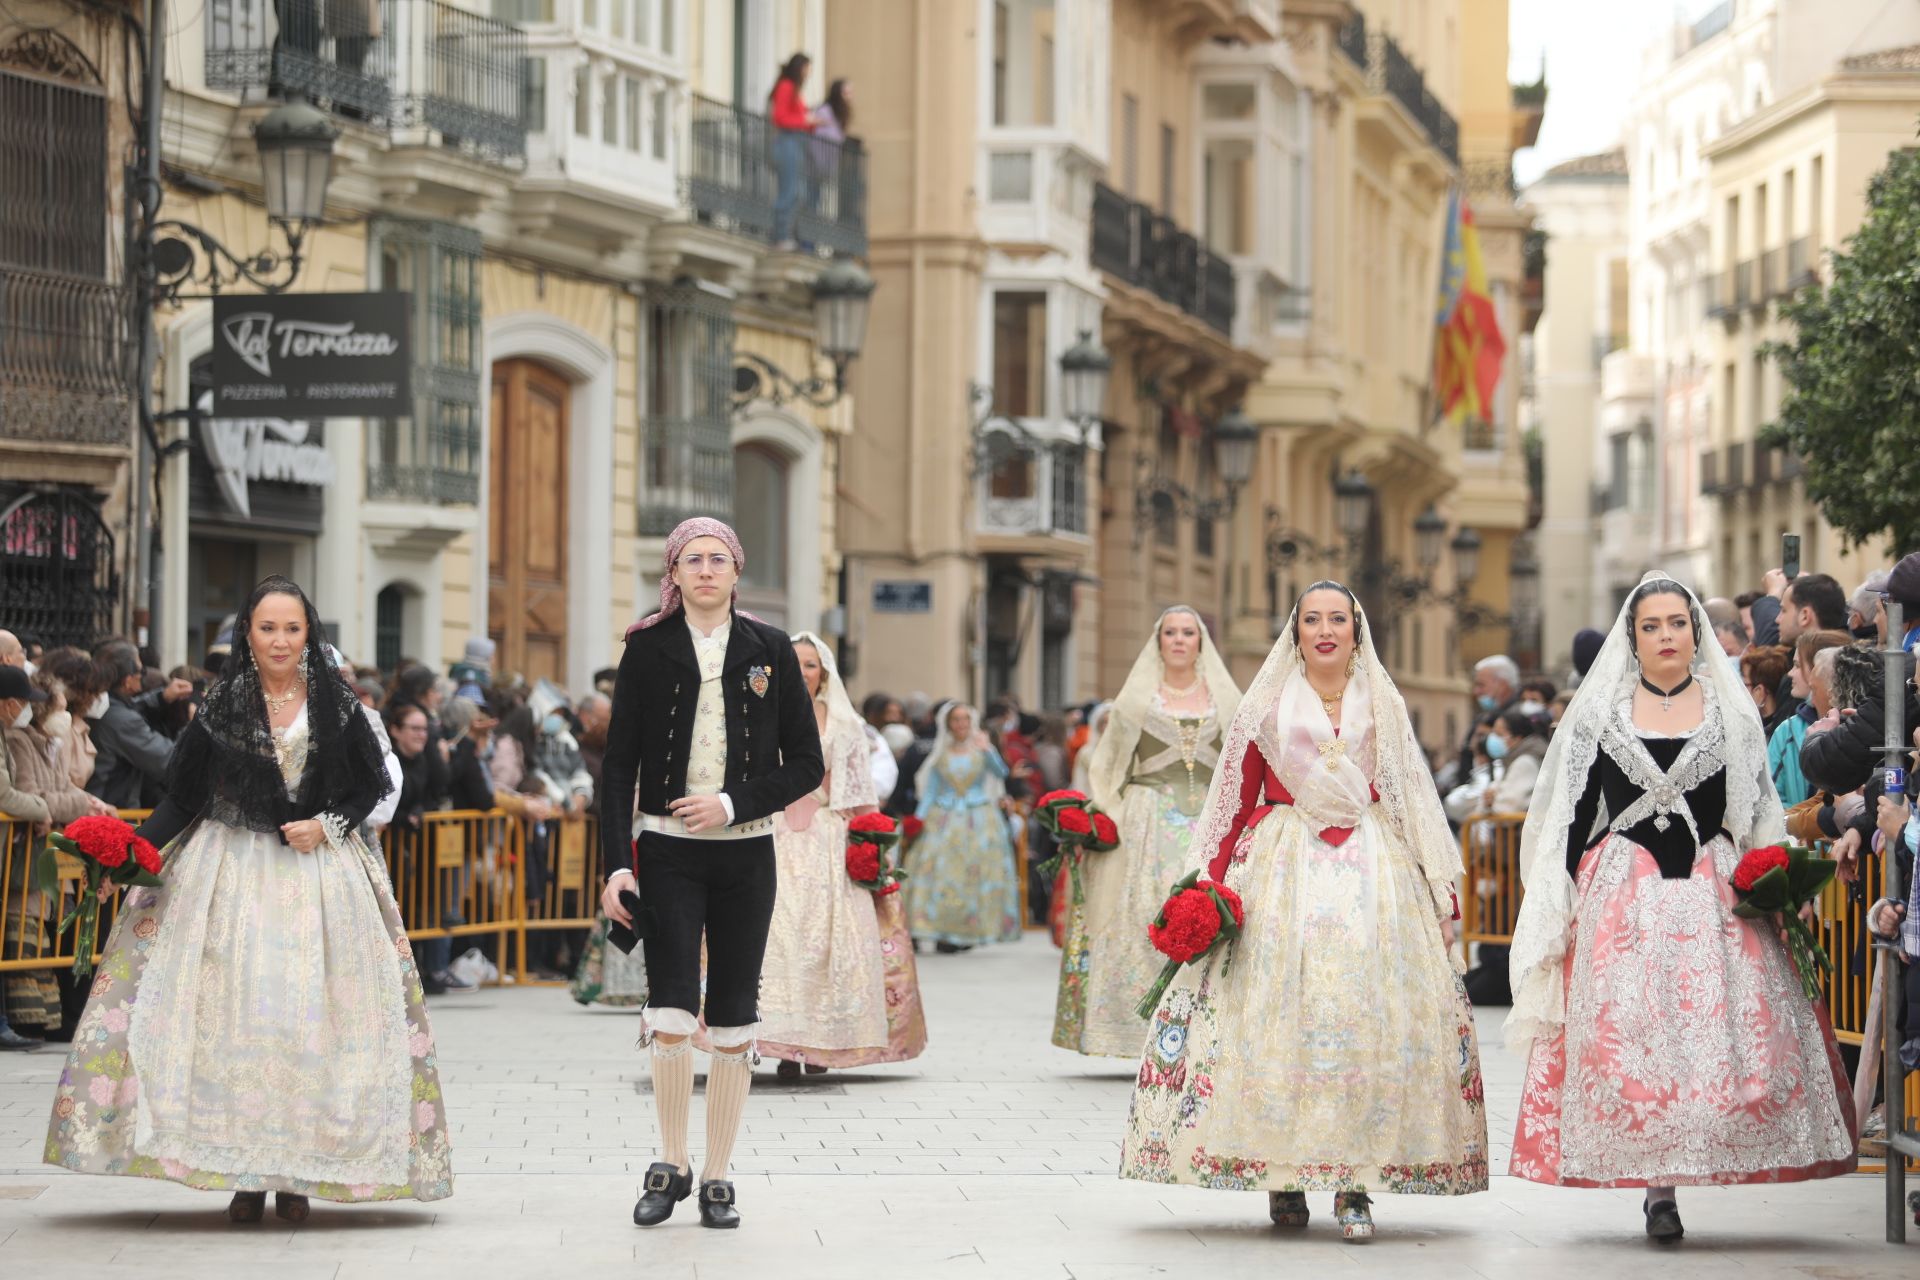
[733, 181]
[1152, 252]
[1353, 40]
[63, 352]
[1802, 267]
[1392, 74]
[422, 64]
[1029, 487]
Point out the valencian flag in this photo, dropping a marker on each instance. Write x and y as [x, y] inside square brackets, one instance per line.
[1467, 346]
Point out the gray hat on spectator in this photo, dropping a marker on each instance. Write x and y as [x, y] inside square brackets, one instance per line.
[1903, 584]
[1863, 600]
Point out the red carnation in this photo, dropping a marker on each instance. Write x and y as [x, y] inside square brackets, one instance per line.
[1105, 831]
[146, 855]
[1231, 898]
[912, 826]
[878, 823]
[1060, 797]
[101, 837]
[863, 863]
[1757, 863]
[1074, 822]
[893, 886]
[1192, 924]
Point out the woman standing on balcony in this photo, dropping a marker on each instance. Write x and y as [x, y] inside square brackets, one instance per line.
[257, 1023]
[1151, 770]
[792, 122]
[1670, 1042]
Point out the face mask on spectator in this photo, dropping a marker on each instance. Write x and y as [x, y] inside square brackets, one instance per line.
[899, 738]
[25, 717]
[554, 725]
[1533, 707]
[1486, 702]
[1496, 746]
[98, 707]
[59, 725]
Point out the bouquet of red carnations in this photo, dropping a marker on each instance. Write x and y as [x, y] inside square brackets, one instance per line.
[1077, 828]
[868, 838]
[1199, 917]
[110, 853]
[1779, 880]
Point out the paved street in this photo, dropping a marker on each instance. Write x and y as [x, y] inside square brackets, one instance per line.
[991, 1157]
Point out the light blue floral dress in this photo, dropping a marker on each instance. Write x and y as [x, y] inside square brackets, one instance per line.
[962, 887]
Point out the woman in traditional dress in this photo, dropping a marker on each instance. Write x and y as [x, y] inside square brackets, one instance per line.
[257, 1023]
[962, 891]
[1669, 1041]
[823, 986]
[1151, 769]
[1330, 1046]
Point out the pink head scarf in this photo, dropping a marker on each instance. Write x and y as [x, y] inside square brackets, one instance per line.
[683, 533]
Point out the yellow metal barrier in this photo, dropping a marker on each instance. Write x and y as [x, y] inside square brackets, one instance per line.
[458, 875]
[567, 895]
[1491, 892]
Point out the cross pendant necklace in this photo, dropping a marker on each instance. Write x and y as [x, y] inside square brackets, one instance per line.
[1666, 696]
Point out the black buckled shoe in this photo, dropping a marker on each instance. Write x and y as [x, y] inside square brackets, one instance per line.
[662, 1188]
[1663, 1220]
[716, 1205]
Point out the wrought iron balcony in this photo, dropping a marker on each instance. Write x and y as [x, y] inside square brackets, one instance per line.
[63, 354]
[733, 180]
[1801, 264]
[1152, 252]
[410, 64]
[1027, 487]
[1392, 74]
[1353, 40]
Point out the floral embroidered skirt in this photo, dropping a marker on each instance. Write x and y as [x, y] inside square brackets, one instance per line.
[1330, 1047]
[607, 975]
[258, 1024]
[823, 985]
[962, 888]
[1690, 1054]
[1106, 961]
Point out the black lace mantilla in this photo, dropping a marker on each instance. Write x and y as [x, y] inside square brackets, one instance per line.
[225, 765]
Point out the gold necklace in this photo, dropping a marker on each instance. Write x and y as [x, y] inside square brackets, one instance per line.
[275, 705]
[1189, 734]
[1330, 705]
[1177, 694]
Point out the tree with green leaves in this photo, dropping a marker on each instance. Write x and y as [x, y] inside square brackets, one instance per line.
[1851, 410]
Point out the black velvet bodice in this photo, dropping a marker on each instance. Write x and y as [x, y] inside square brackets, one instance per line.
[1674, 849]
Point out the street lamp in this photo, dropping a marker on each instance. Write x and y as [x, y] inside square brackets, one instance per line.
[1084, 369]
[1429, 535]
[1353, 504]
[295, 141]
[842, 296]
[1466, 556]
[1234, 439]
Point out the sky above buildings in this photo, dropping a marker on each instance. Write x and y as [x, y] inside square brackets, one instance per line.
[1592, 55]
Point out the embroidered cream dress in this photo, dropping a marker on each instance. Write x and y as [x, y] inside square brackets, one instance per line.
[1331, 1046]
[1107, 962]
[823, 983]
[257, 1023]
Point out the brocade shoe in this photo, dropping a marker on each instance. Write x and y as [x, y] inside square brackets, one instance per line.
[247, 1206]
[1287, 1208]
[1663, 1220]
[716, 1205]
[1353, 1210]
[787, 1070]
[664, 1187]
[290, 1207]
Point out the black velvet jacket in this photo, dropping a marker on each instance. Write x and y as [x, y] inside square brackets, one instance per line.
[773, 743]
[1608, 789]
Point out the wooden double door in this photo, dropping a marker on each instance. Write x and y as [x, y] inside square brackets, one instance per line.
[527, 521]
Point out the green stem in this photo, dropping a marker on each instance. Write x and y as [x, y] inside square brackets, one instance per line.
[1151, 1001]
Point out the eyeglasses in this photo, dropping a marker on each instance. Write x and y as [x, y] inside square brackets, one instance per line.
[718, 562]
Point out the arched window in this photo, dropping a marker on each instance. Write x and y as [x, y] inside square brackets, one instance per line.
[760, 515]
[389, 626]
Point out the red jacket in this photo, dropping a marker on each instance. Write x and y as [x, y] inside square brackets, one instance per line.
[788, 111]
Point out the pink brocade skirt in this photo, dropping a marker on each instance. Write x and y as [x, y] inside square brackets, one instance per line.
[1690, 1054]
